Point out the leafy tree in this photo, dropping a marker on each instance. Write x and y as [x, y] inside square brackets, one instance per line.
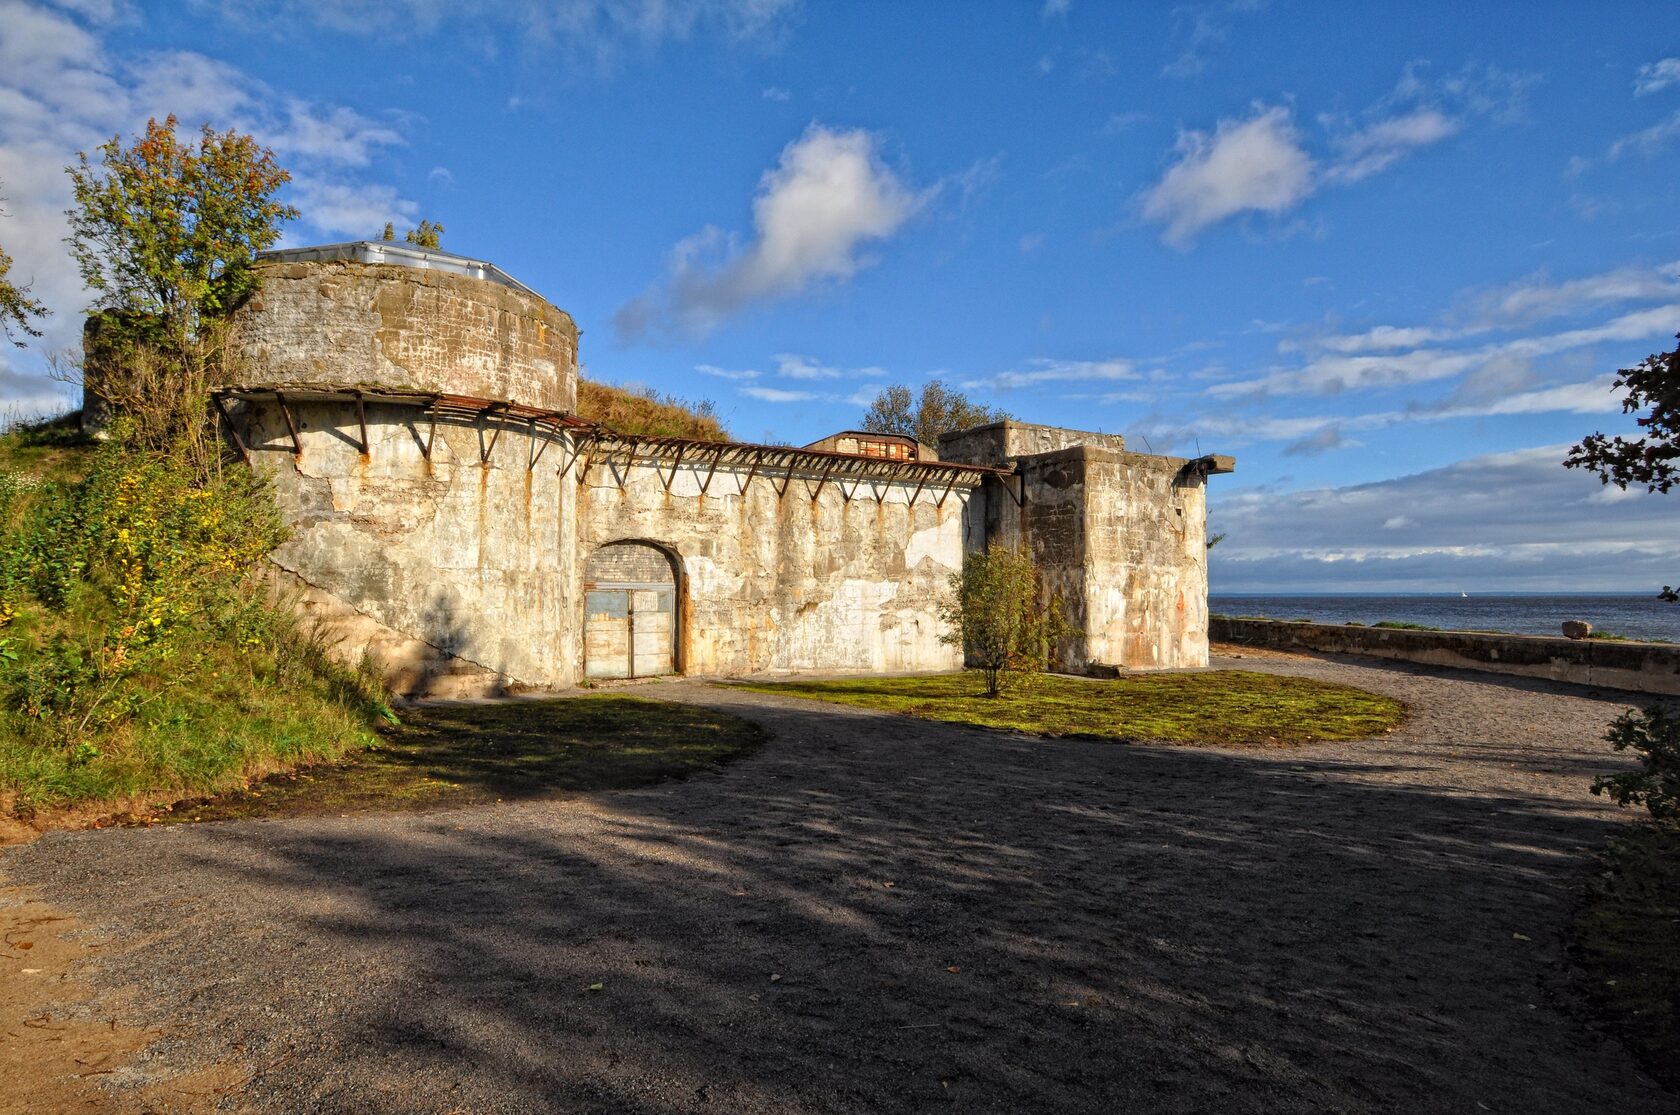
[1655, 735]
[1653, 387]
[425, 235]
[940, 410]
[166, 233]
[16, 307]
[170, 230]
[998, 613]
[390, 232]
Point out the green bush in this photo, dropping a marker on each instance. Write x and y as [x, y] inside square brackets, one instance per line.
[1655, 735]
[139, 650]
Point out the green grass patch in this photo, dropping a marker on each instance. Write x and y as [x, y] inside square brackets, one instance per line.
[1628, 940]
[451, 755]
[1227, 708]
[1400, 625]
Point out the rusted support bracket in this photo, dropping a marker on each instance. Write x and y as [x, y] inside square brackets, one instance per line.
[233, 431]
[361, 420]
[940, 502]
[539, 445]
[431, 431]
[577, 451]
[588, 463]
[717, 459]
[675, 465]
[920, 483]
[495, 434]
[758, 459]
[793, 462]
[1020, 497]
[827, 472]
[297, 445]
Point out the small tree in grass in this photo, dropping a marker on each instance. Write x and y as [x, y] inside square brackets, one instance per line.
[998, 615]
[1655, 735]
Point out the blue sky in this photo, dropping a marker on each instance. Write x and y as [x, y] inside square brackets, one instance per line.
[1389, 259]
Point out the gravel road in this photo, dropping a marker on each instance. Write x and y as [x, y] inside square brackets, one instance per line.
[881, 914]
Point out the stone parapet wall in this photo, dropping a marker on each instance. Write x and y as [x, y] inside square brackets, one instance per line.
[364, 324]
[1640, 667]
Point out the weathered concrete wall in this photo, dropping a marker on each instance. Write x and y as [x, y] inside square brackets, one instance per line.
[349, 323]
[1145, 560]
[1000, 443]
[476, 559]
[1120, 539]
[1640, 667]
[774, 583]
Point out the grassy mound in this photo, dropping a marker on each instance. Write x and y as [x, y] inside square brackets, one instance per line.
[647, 412]
[139, 651]
[1227, 708]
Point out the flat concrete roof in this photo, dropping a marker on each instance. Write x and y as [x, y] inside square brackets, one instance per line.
[397, 254]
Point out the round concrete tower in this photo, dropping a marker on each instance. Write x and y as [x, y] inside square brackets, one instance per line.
[377, 314]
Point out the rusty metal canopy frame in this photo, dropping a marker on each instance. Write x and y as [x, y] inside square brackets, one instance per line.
[599, 444]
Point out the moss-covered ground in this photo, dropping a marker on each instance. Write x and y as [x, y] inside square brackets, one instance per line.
[1226, 708]
[450, 755]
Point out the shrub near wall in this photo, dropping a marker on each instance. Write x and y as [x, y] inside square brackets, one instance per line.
[138, 653]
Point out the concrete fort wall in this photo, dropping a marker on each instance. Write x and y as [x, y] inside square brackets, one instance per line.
[457, 572]
[778, 582]
[350, 323]
[1120, 539]
[1640, 667]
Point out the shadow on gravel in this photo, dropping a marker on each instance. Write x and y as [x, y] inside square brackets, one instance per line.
[869, 916]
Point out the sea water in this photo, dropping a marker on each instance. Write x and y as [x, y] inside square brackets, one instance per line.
[1640, 616]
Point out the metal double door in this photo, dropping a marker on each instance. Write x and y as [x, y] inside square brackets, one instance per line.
[629, 631]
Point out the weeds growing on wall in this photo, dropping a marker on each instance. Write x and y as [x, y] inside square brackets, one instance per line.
[139, 649]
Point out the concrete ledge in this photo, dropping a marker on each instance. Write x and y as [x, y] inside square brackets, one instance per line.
[1640, 667]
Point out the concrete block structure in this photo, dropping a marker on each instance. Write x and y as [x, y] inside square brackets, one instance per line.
[454, 519]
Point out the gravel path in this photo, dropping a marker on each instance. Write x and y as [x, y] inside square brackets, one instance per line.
[881, 914]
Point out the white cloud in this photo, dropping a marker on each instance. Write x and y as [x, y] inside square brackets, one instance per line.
[1656, 76]
[793, 366]
[1054, 8]
[1535, 299]
[829, 197]
[779, 395]
[354, 210]
[1253, 165]
[1648, 141]
[1044, 369]
[1379, 146]
[776, 93]
[741, 375]
[1509, 520]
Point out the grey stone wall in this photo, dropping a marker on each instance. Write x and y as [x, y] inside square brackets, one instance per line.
[349, 323]
[1000, 443]
[474, 559]
[783, 583]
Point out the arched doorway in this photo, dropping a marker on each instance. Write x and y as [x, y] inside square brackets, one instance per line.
[630, 612]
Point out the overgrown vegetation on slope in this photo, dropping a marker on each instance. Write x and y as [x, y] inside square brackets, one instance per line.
[139, 652]
[645, 411]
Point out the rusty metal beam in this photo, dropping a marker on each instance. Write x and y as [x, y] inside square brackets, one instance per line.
[793, 462]
[226, 423]
[672, 478]
[297, 445]
[940, 502]
[827, 472]
[706, 484]
[361, 420]
[431, 432]
[541, 445]
[758, 459]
